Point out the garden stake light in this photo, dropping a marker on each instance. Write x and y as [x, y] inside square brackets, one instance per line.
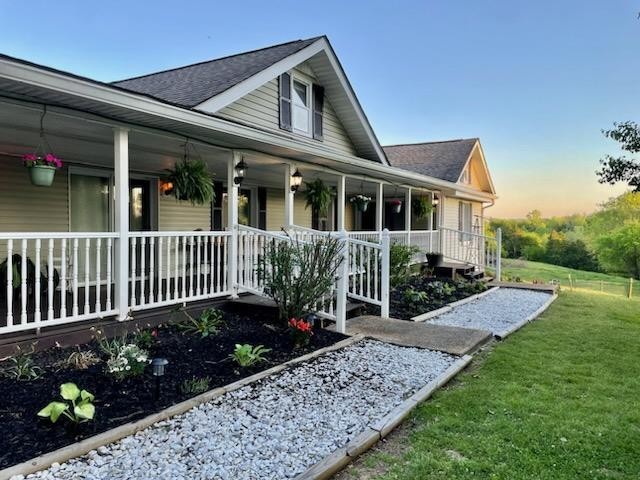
[158, 366]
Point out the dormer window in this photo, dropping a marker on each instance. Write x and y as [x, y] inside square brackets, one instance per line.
[301, 107]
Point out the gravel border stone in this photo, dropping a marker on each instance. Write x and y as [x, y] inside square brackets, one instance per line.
[502, 310]
[279, 426]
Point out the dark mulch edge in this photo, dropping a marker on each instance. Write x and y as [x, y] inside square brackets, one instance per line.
[400, 308]
[122, 402]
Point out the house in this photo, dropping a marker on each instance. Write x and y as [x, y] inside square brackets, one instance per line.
[107, 239]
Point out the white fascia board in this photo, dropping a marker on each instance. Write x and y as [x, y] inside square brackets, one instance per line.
[245, 87]
[103, 93]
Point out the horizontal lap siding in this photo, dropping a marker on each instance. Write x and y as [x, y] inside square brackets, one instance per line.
[27, 208]
[275, 210]
[174, 215]
[260, 108]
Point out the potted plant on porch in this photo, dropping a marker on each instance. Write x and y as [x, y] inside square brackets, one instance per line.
[396, 204]
[42, 167]
[422, 207]
[361, 202]
[318, 197]
[191, 181]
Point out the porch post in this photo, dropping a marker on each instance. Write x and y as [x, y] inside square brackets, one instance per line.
[430, 220]
[232, 223]
[407, 214]
[121, 170]
[499, 254]
[343, 284]
[379, 208]
[289, 197]
[340, 200]
[385, 271]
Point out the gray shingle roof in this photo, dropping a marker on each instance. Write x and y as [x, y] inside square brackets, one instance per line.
[193, 84]
[444, 160]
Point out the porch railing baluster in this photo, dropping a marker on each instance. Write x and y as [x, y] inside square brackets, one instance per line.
[23, 283]
[63, 279]
[9, 283]
[50, 279]
[98, 277]
[37, 315]
[87, 271]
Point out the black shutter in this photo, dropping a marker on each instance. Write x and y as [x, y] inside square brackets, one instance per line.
[318, 107]
[262, 208]
[285, 101]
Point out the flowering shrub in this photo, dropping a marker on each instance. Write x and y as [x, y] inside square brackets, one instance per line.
[301, 331]
[128, 361]
[49, 159]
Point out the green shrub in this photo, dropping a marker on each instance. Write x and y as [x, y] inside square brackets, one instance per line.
[297, 275]
[22, 368]
[247, 355]
[208, 323]
[399, 262]
[195, 386]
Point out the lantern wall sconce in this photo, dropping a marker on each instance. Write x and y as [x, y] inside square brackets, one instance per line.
[240, 171]
[435, 201]
[296, 181]
[166, 187]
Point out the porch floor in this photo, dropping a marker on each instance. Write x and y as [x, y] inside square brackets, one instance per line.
[454, 340]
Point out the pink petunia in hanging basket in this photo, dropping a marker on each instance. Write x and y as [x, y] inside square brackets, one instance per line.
[42, 168]
[396, 204]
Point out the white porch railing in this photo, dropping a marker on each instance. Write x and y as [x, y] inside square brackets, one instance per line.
[56, 278]
[168, 268]
[481, 251]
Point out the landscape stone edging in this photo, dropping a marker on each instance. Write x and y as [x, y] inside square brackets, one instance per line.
[434, 313]
[502, 335]
[110, 436]
[340, 458]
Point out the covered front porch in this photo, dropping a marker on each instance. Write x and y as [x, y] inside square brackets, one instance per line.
[108, 240]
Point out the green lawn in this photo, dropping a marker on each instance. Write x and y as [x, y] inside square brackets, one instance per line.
[560, 399]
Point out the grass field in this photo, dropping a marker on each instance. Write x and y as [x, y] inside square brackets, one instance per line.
[528, 271]
[559, 399]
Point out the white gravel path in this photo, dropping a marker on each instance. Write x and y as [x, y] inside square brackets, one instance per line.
[273, 429]
[496, 312]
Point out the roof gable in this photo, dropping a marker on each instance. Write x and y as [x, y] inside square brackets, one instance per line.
[193, 84]
[445, 160]
[211, 86]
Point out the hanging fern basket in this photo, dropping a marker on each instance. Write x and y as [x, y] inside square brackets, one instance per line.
[191, 181]
[422, 207]
[318, 197]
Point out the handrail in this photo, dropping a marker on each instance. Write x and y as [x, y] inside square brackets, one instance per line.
[55, 235]
[468, 234]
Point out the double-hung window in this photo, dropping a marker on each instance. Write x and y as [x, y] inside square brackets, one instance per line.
[301, 105]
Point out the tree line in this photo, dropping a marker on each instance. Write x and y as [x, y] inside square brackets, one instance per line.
[607, 240]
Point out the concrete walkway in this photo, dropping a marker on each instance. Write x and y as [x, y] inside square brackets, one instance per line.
[453, 340]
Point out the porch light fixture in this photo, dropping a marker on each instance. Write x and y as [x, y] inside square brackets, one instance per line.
[296, 181]
[240, 169]
[436, 201]
[158, 366]
[166, 187]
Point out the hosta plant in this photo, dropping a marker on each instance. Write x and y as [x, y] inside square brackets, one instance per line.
[78, 405]
[301, 332]
[247, 355]
[129, 361]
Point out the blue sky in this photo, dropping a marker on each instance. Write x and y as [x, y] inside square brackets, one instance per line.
[536, 81]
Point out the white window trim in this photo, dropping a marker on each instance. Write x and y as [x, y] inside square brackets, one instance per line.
[297, 78]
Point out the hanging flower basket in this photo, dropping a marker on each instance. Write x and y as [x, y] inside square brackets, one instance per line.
[361, 202]
[422, 207]
[42, 168]
[396, 204]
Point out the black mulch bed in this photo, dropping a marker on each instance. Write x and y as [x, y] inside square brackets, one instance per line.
[423, 294]
[26, 436]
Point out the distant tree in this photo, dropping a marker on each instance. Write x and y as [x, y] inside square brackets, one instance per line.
[621, 168]
[569, 253]
[621, 248]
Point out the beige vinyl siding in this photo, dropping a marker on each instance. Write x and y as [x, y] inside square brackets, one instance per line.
[452, 209]
[260, 108]
[174, 215]
[275, 210]
[27, 208]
